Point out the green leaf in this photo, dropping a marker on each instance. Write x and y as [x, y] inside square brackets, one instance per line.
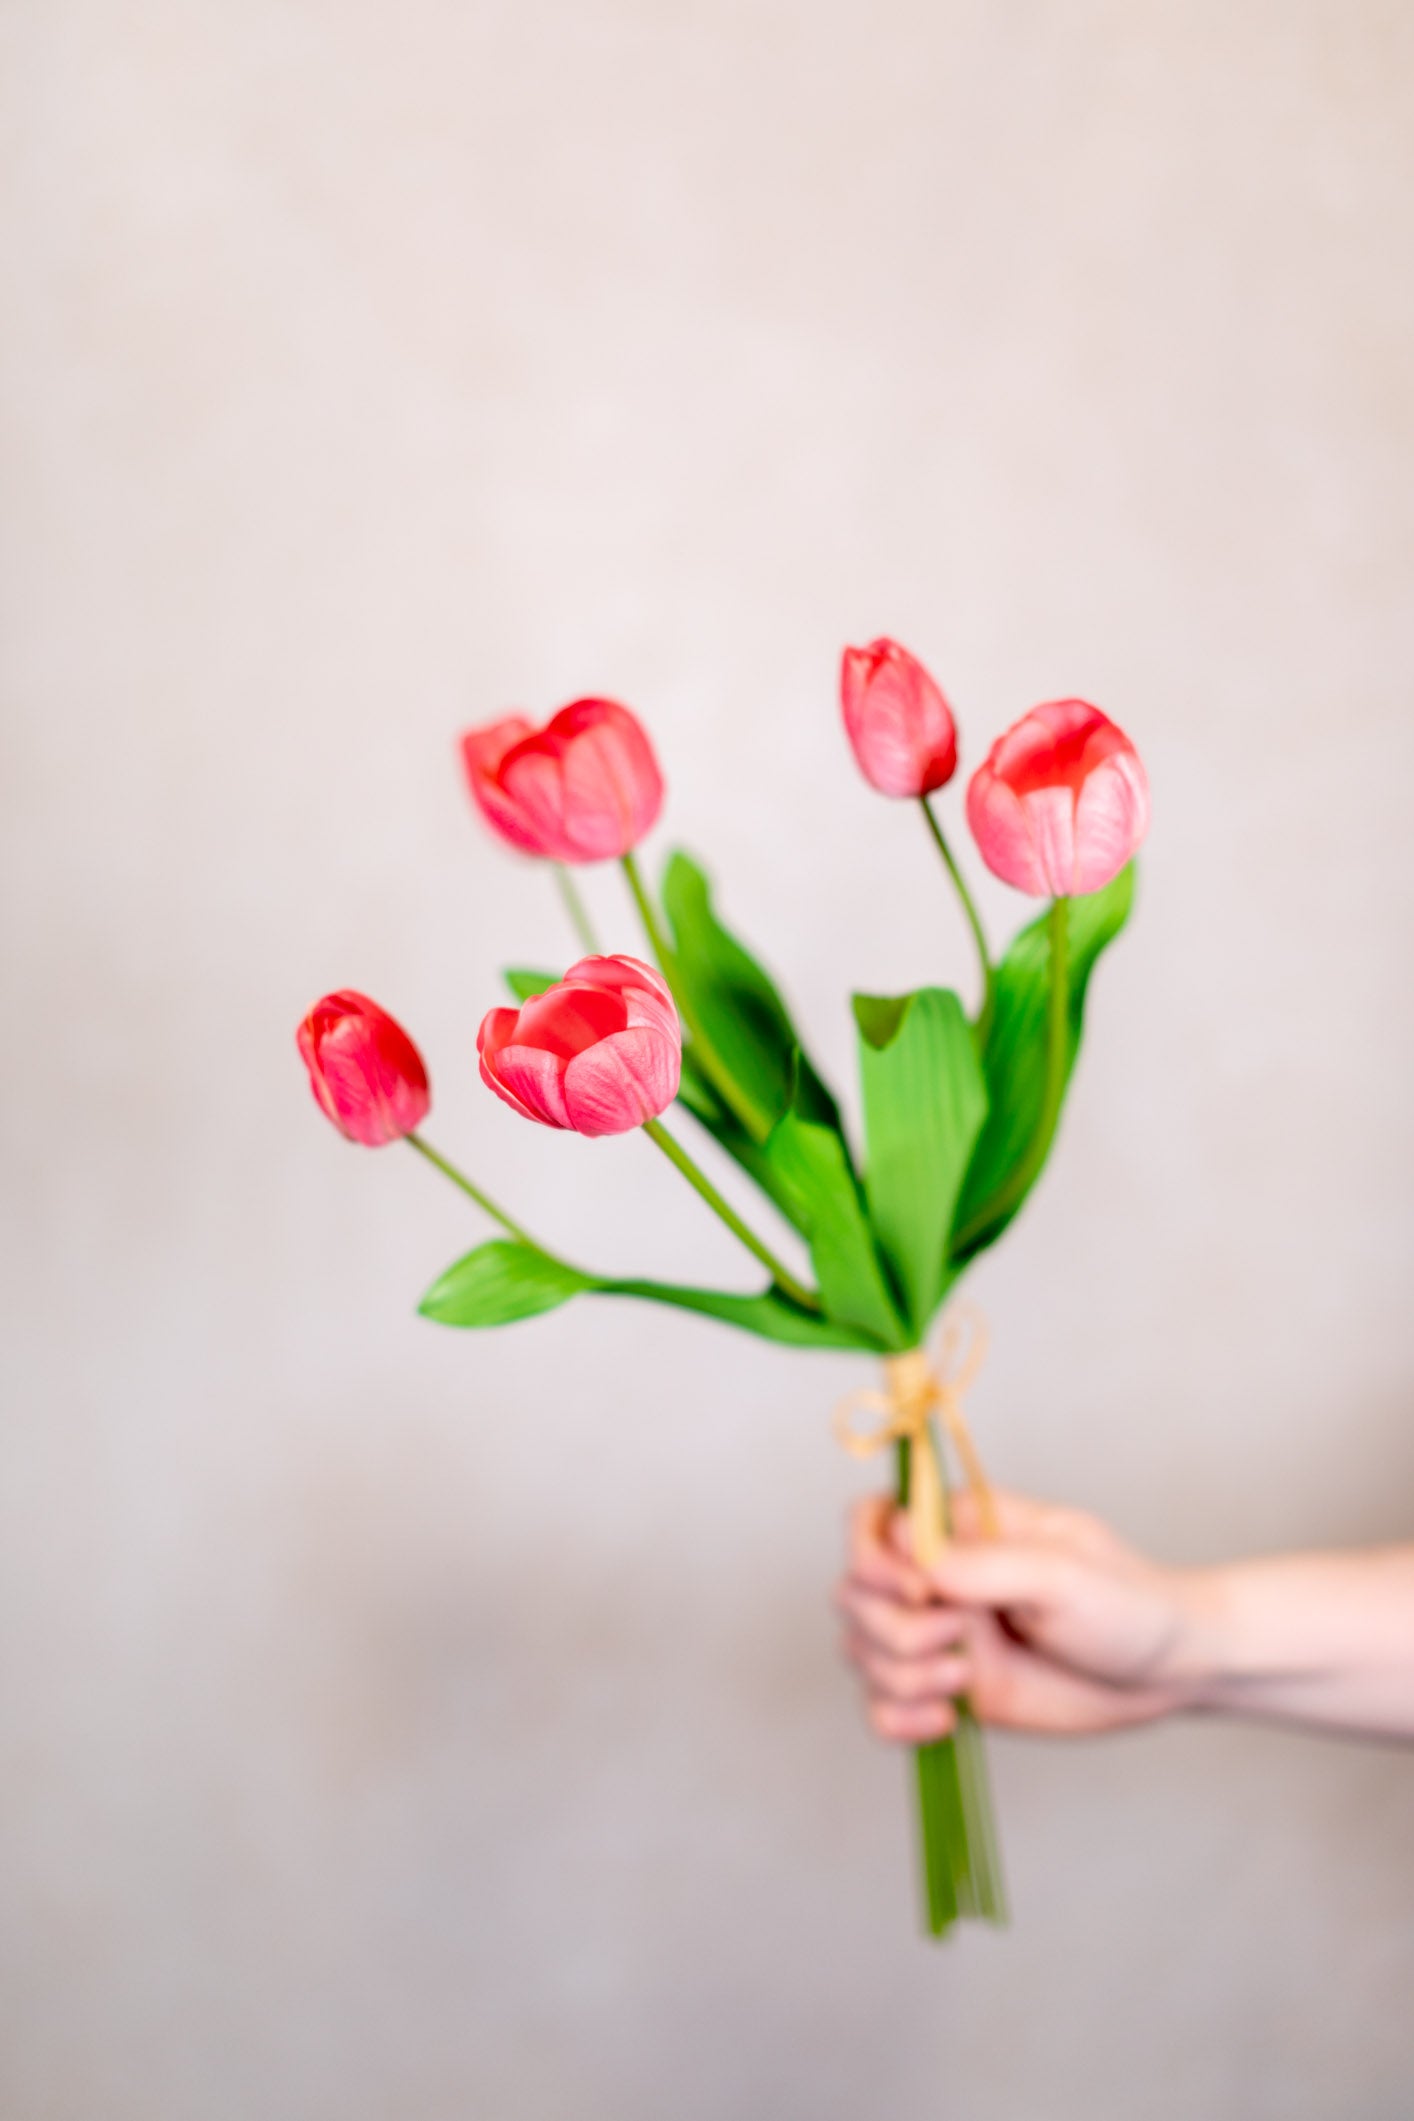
[1015, 1058]
[924, 1105]
[770, 1316]
[500, 1282]
[524, 985]
[809, 1164]
[738, 1006]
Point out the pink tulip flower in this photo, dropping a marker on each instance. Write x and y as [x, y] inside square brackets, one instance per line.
[585, 788]
[1061, 801]
[897, 720]
[366, 1074]
[599, 1052]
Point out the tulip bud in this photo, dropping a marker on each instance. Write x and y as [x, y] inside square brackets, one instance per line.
[897, 720]
[364, 1070]
[599, 1052]
[585, 788]
[1061, 801]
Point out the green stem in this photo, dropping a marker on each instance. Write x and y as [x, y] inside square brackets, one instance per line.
[974, 921]
[781, 1276]
[575, 908]
[459, 1178]
[648, 914]
[756, 1122]
[1024, 1174]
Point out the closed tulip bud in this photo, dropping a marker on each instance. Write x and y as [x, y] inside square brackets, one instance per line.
[599, 1052]
[366, 1073]
[585, 788]
[897, 720]
[1061, 802]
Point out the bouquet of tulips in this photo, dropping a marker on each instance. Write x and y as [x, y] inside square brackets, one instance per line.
[959, 1109]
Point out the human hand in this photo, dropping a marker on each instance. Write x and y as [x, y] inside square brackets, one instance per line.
[1057, 1626]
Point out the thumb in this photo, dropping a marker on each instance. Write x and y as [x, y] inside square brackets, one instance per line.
[1000, 1573]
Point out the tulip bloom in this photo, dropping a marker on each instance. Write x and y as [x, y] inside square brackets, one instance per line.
[897, 720]
[599, 1052]
[364, 1070]
[585, 788]
[1061, 801]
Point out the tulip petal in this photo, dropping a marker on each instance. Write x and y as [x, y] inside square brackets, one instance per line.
[897, 720]
[621, 1082]
[483, 752]
[1050, 817]
[570, 1016]
[529, 1080]
[1000, 827]
[613, 789]
[645, 994]
[1110, 820]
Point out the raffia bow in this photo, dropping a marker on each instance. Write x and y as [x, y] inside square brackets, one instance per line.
[916, 1387]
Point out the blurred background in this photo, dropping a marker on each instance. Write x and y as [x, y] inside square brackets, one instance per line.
[399, 1722]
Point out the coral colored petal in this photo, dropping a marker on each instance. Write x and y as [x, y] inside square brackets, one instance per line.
[483, 751]
[498, 1028]
[1050, 816]
[621, 1082]
[1109, 821]
[999, 825]
[532, 779]
[530, 1080]
[570, 1016]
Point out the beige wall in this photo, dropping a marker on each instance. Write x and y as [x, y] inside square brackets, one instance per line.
[398, 1724]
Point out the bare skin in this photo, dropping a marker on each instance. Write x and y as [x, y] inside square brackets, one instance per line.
[1058, 1627]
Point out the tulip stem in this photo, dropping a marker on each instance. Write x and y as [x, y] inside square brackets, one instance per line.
[1025, 1173]
[756, 1122]
[459, 1178]
[974, 920]
[676, 1154]
[575, 908]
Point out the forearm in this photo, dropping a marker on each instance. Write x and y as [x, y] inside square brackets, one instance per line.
[1323, 1639]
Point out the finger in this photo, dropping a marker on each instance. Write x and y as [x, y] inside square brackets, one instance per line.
[913, 1678]
[1012, 1516]
[904, 1631]
[873, 1557]
[1004, 1574]
[916, 1723]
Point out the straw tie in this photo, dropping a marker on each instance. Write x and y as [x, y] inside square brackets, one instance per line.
[917, 1386]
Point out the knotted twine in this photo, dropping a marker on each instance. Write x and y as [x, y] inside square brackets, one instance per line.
[916, 1387]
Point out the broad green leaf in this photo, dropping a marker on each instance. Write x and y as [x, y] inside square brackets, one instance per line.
[525, 984]
[924, 1105]
[770, 1316]
[738, 1006]
[500, 1282]
[1015, 1058]
[809, 1163]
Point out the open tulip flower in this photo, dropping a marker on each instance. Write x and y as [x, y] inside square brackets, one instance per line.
[585, 788]
[599, 1052]
[1061, 802]
[958, 1108]
[900, 726]
[364, 1070]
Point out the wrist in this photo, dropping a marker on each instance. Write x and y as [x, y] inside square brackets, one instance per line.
[1199, 1660]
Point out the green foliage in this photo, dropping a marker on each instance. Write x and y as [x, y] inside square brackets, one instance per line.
[924, 1105]
[500, 1282]
[810, 1164]
[1014, 1061]
[738, 1007]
